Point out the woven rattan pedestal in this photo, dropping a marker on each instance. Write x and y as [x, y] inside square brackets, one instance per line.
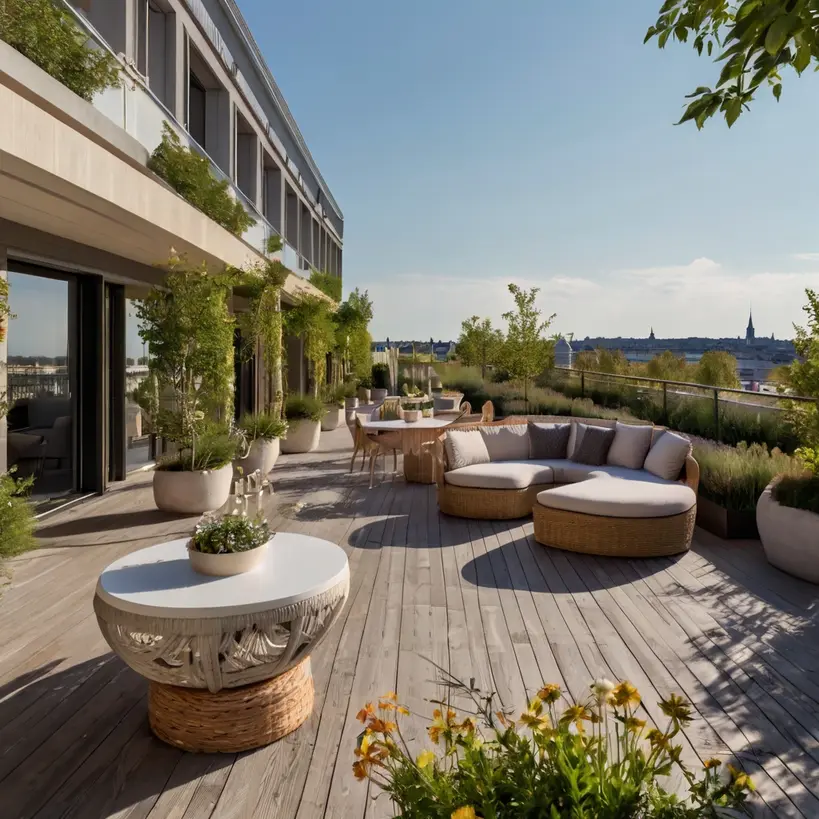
[234, 719]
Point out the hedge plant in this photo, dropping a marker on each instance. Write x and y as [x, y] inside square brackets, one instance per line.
[189, 174]
[47, 34]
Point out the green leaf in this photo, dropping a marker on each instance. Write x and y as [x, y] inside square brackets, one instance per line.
[649, 34]
[779, 32]
[663, 39]
[802, 59]
[709, 47]
[777, 91]
[681, 33]
[702, 89]
[732, 110]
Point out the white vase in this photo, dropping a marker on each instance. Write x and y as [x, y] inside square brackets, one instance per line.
[226, 565]
[333, 417]
[192, 493]
[302, 436]
[262, 456]
[351, 403]
[412, 416]
[364, 394]
[789, 536]
[378, 394]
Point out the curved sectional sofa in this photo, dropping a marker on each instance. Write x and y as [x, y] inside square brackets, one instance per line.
[618, 489]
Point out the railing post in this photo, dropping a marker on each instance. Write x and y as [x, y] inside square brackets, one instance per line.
[665, 403]
[716, 414]
[582, 383]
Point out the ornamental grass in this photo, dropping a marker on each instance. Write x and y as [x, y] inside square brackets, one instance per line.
[598, 759]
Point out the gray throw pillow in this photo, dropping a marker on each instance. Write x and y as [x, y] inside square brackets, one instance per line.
[548, 441]
[592, 445]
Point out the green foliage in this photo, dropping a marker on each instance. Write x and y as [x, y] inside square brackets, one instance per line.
[334, 394]
[189, 330]
[353, 340]
[479, 344]
[301, 407]
[735, 477]
[262, 425]
[753, 39]
[798, 493]
[717, 369]
[668, 367]
[312, 320]
[411, 390]
[16, 516]
[230, 534]
[189, 174]
[527, 352]
[804, 379]
[329, 284]
[47, 34]
[381, 376]
[596, 759]
[213, 446]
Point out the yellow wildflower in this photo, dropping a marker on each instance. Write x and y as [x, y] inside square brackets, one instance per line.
[402, 710]
[360, 770]
[390, 695]
[625, 694]
[740, 780]
[534, 721]
[464, 813]
[711, 763]
[634, 725]
[549, 693]
[576, 714]
[365, 713]
[425, 758]
[657, 738]
[676, 708]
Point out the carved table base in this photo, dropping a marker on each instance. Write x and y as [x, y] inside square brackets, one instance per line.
[235, 719]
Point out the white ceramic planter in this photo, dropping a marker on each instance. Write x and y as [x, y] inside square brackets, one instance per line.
[789, 536]
[378, 394]
[411, 416]
[447, 403]
[302, 436]
[192, 493]
[351, 403]
[262, 456]
[334, 417]
[226, 565]
[364, 395]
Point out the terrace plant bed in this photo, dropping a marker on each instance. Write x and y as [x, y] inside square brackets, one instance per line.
[730, 524]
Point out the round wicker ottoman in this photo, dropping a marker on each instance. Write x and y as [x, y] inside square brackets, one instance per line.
[233, 720]
[614, 531]
[227, 657]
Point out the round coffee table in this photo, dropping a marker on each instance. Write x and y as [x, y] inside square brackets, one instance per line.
[227, 657]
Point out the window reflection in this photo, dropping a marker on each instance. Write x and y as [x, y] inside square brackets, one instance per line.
[137, 426]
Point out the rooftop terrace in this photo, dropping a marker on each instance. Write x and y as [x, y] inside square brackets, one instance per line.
[484, 600]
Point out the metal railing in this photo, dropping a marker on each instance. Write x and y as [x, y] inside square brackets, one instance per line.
[667, 393]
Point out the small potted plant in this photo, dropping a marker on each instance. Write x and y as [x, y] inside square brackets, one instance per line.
[304, 414]
[230, 545]
[427, 409]
[411, 411]
[334, 399]
[381, 382]
[364, 388]
[261, 432]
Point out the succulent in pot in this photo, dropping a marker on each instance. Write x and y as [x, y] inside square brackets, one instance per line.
[262, 432]
[304, 414]
[234, 544]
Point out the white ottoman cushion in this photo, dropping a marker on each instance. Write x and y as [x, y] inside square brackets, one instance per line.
[501, 475]
[629, 475]
[620, 499]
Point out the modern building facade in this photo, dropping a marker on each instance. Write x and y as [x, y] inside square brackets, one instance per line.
[85, 227]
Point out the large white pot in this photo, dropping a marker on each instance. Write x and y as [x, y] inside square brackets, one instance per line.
[447, 403]
[378, 394]
[334, 417]
[192, 493]
[789, 536]
[262, 456]
[302, 436]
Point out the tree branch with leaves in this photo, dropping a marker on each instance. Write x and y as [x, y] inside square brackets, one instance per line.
[479, 345]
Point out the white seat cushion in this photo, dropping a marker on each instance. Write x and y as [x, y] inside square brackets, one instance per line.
[626, 474]
[501, 475]
[620, 499]
[567, 471]
[507, 442]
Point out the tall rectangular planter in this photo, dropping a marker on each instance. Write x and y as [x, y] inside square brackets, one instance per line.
[726, 523]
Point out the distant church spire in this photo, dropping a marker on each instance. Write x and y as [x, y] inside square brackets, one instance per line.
[651, 335]
[749, 332]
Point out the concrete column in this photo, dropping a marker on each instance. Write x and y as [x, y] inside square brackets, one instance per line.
[3, 374]
[220, 128]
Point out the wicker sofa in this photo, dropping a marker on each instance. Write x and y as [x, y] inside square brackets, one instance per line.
[594, 508]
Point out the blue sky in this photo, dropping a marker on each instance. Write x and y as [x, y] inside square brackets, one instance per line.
[472, 143]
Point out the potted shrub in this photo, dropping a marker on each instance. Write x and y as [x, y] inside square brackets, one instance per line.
[231, 545]
[261, 432]
[188, 328]
[197, 478]
[334, 400]
[411, 411]
[732, 479]
[364, 389]
[595, 758]
[381, 382]
[304, 414]
[787, 514]
[350, 398]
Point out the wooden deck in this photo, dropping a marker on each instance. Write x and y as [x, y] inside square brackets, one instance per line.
[736, 636]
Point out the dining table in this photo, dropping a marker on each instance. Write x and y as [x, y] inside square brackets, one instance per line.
[417, 444]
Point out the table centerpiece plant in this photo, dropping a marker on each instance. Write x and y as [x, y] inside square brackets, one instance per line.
[597, 758]
[230, 545]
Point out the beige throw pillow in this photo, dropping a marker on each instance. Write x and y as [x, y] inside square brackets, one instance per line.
[465, 448]
[507, 442]
[630, 445]
[667, 457]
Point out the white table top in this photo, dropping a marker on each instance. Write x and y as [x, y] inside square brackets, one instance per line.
[424, 423]
[159, 581]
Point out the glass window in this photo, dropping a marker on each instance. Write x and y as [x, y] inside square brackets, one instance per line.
[138, 450]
